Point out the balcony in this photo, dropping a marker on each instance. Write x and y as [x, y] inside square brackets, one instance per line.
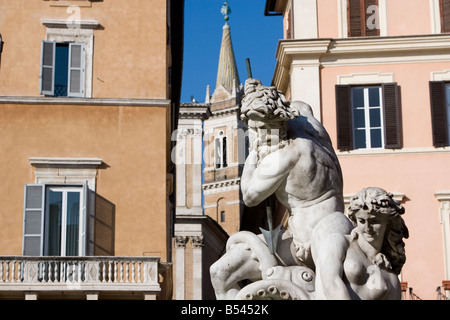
[89, 278]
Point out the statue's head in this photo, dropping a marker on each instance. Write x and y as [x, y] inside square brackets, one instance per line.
[377, 208]
[262, 105]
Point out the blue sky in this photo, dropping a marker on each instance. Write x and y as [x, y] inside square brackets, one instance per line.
[254, 36]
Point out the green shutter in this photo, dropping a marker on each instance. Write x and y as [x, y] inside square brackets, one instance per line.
[76, 70]
[48, 55]
[33, 225]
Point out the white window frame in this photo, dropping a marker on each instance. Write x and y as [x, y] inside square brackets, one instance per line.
[367, 128]
[82, 218]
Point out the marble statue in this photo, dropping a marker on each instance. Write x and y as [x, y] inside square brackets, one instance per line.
[322, 254]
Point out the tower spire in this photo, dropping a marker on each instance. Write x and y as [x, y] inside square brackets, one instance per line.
[227, 73]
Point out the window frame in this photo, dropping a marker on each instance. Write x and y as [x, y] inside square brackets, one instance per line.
[81, 32]
[367, 117]
[70, 69]
[65, 189]
[43, 222]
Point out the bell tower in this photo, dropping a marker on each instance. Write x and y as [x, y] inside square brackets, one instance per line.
[224, 138]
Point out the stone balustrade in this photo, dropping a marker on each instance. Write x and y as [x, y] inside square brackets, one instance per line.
[91, 276]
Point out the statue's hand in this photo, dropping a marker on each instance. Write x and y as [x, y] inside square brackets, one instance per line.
[252, 159]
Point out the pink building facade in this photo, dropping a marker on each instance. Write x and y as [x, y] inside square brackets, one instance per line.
[377, 75]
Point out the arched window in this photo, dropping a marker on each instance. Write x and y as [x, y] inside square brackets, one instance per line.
[220, 151]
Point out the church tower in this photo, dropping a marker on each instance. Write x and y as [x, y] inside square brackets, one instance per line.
[225, 140]
[211, 148]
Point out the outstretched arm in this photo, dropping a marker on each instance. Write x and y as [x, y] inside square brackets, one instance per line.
[258, 182]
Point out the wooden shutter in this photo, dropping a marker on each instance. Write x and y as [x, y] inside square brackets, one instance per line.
[76, 70]
[392, 116]
[445, 15]
[357, 18]
[344, 118]
[48, 55]
[33, 222]
[439, 113]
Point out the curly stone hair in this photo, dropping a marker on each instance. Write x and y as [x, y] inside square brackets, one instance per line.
[378, 201]
[270, 101]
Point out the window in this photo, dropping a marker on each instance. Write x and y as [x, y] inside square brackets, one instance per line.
[368, 125]
[368, 117]
[444, 6]
[62, 69]
[55, 221]
[440, 112]
[363, 18]
[220, 151]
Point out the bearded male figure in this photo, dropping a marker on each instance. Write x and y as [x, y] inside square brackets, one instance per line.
[291, 157]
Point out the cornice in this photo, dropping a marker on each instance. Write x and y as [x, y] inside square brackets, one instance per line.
[220, 184]
[65, 162]
[195, 111]
[64, 23]
[331, 52]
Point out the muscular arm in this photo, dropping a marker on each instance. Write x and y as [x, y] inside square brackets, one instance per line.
[329, 262]
[259, 182]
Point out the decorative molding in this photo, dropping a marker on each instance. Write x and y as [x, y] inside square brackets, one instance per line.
[443, 195]
[66, 170]
[197, 241]
[86, 101]
[390, 152]
[435, 12]
[359, 51]
[180, 242]
[65, 162]
[366, 78]
[221, 184]
[194, 111]
[444, 214]
[68, 3]
[441, 75]
[64, 23]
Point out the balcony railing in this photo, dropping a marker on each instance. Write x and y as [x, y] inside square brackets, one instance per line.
[89, 276]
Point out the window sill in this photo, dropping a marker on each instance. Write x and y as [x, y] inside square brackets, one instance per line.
[85, 101]
[389, 152]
